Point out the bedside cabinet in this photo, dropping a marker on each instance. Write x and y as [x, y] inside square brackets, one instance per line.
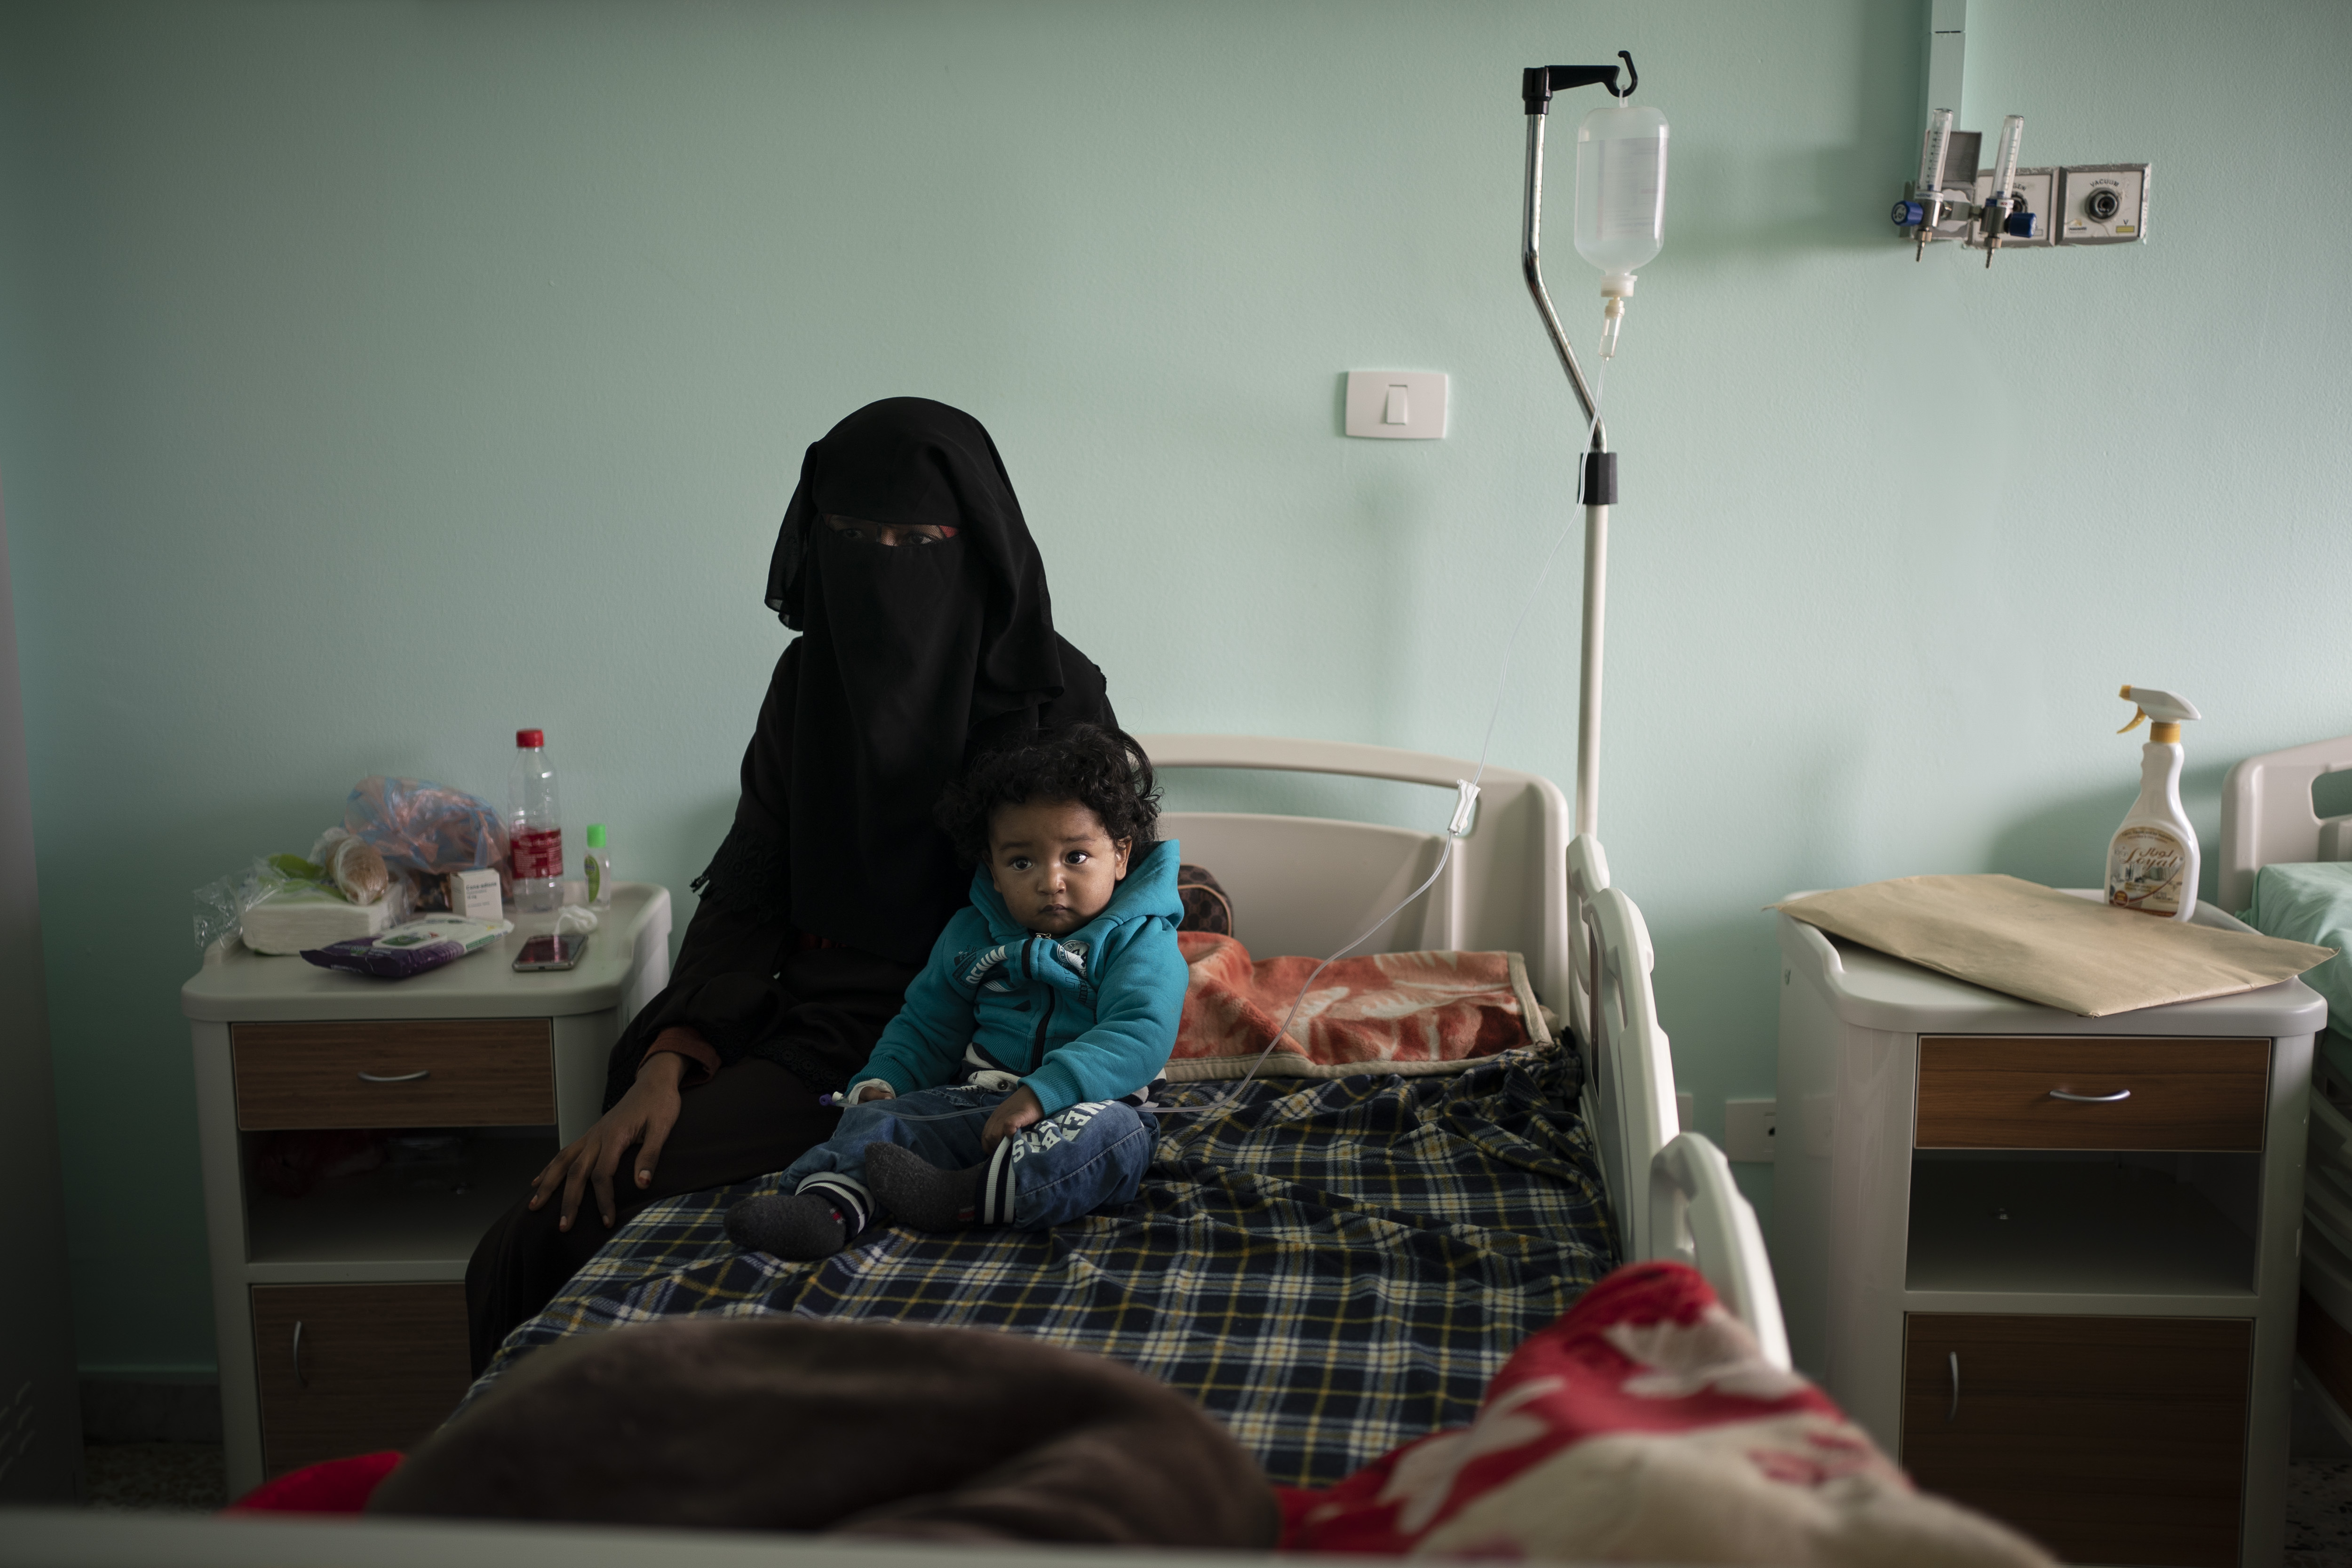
[358, 1137]
[2050, 1261]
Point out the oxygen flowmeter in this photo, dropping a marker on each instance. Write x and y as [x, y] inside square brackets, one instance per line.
[1944, 193]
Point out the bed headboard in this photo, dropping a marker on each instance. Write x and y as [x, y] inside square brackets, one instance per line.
[2267, 819]
[1306, 884]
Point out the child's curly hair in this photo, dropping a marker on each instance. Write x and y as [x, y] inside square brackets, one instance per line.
[1103, 770]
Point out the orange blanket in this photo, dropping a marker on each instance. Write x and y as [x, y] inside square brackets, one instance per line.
[1387, 1012]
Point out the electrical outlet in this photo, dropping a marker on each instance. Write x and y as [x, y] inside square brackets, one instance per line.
[2103, 204]
[1686, 1108]
[1748, 1129]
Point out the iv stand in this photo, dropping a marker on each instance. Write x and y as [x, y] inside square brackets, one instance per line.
[1536, 88]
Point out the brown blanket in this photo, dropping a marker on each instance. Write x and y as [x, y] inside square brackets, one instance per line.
[789, 1424]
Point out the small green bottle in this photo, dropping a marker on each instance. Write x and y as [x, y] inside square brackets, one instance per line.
[598, 869]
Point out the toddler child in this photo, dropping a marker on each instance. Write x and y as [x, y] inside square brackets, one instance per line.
[1046, 1012]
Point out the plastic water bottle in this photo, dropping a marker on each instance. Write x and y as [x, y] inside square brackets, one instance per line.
[534, 826]
[1620, 201]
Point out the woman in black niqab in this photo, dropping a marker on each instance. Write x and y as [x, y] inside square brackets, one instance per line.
[926, 637]
[913, 660]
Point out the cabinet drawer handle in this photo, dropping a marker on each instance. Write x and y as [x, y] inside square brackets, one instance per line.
[2119, 1095]
[299, 1381]
[422, 1073]
[1954, 1413]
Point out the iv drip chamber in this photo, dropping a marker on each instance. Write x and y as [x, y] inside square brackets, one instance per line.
[1621, 200]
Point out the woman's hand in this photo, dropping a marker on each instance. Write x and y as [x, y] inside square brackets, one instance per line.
[1019, 1110]
[646, 1114]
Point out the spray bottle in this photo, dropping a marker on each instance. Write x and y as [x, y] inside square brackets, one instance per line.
[2152, 860]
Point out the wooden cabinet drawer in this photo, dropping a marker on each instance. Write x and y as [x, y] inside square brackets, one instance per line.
[2006, 1091]
[352, 1369]
[2106, 1440]
[485, 1072]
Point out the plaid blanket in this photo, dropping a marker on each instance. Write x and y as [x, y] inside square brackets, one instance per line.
[1331, 1266]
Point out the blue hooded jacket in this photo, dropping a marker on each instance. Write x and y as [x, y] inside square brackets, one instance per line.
[1090, 1015]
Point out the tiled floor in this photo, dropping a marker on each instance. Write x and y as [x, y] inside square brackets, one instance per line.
[2319, 1513]
[141, 1478]
[2318, 1488]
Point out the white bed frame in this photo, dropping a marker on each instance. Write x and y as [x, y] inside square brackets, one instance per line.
[1518, 882]
[2267, 820]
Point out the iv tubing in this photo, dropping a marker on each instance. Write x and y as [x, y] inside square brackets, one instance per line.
[1596, 516]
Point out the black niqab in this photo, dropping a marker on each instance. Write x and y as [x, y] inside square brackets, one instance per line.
[911, 659]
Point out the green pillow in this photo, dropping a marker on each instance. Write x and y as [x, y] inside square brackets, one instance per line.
[2312, 902]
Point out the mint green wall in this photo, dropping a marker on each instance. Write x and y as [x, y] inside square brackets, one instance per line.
[375, 378]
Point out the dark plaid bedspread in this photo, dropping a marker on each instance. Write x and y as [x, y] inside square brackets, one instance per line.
[1332, 1268]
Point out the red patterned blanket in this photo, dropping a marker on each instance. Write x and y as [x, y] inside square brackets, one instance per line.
[1387, 1012]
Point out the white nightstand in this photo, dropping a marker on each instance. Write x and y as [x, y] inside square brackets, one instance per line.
[340, 1315]
[2051, 1261]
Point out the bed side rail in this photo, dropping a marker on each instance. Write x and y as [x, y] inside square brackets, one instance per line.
[1697, 1216]
[1632, 1067]
[1588, 873]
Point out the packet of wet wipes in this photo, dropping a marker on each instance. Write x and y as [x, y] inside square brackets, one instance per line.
[408, 949]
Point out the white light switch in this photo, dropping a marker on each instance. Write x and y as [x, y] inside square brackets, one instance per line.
[1748, 1129]
[1397, 405]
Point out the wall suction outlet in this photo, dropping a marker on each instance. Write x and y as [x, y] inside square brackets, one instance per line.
[2103, 204]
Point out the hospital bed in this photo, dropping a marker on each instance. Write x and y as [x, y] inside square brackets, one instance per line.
[1518, 882]
[2269, 819]
[1331, 1266]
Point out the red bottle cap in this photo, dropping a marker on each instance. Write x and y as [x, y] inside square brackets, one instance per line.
[527, 738]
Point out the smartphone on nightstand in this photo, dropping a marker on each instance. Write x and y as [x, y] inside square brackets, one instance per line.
[557, 951]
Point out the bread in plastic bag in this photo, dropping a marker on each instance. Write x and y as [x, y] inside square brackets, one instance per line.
[353, 865]
[425, 830]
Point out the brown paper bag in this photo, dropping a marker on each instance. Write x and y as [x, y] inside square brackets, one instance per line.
[2049, 947]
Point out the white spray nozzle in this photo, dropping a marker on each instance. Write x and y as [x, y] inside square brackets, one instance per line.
[2164, 707]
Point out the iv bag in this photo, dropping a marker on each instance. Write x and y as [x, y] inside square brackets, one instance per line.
[1620, 187]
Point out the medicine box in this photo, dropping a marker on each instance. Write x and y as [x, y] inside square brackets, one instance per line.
[474, 895]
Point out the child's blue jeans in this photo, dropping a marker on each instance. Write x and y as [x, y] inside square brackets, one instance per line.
[1070, 1163]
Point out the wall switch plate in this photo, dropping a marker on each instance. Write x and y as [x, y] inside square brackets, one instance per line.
[2103, 204]
[1747, 1129]
[1685, 1109]
[1397, 405]
[2040, 189]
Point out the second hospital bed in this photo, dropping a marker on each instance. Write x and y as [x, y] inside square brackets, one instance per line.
[1331, 1266]
[2270, 818]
